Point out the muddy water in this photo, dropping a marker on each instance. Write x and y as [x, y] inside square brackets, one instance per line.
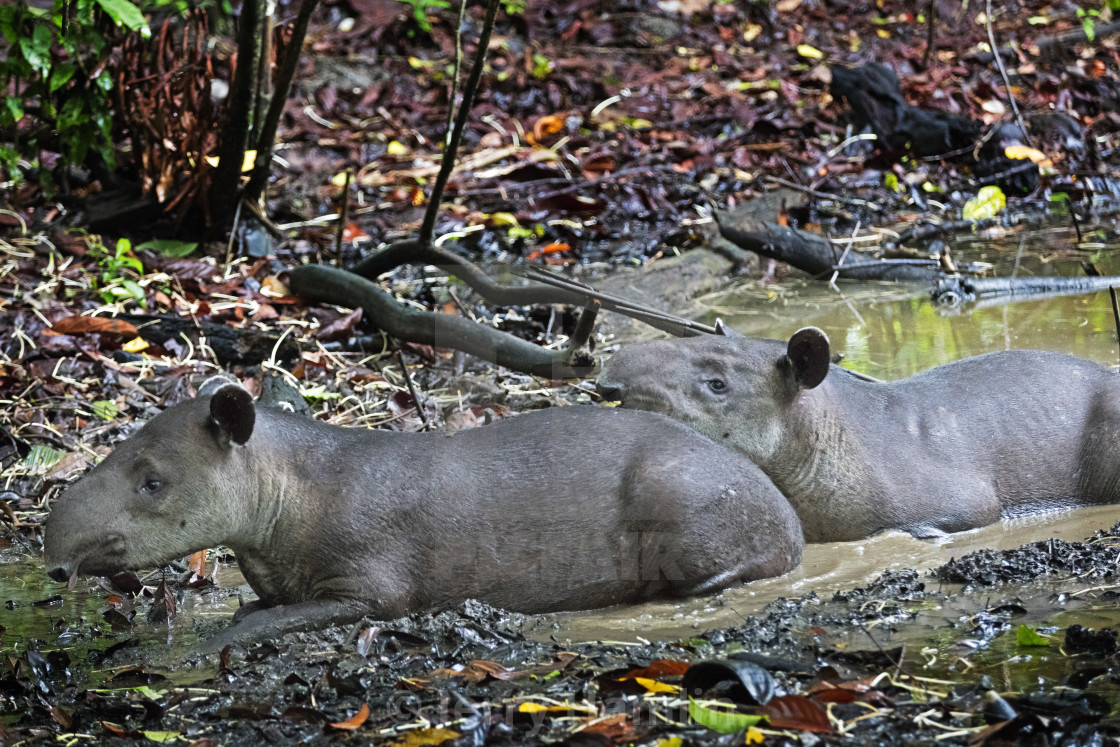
[825, 569]
[890, 331]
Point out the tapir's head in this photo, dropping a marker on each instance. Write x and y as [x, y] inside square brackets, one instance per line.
[732, 388]
[171, 489]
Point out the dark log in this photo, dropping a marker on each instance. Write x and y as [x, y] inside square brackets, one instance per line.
[817, 256]
[245, 346]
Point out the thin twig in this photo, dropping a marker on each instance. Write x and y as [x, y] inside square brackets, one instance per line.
[412, 390]
[427, 228]
[1003, 73]
[1115, 310]
[343, 218]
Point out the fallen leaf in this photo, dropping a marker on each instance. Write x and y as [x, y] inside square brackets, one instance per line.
[76, 325]
[355, 721]
[718, 719]
[659, 668]
[797, 712]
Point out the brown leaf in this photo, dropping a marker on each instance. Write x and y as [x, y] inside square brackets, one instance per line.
[355, 721]
[76, 325]
[796, 712]
[62, 717]
[340, 328]
[612, 727]
[120, 731]
[657, 669]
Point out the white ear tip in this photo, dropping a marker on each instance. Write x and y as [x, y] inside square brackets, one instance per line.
[216, 382]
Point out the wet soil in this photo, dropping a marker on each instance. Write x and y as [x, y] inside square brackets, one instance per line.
[911, 657]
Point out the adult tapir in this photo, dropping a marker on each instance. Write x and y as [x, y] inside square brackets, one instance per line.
[561, 509]
[956, 447]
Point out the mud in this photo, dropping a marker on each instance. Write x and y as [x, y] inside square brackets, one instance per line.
[917, 657]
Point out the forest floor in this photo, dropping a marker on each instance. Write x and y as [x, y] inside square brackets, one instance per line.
[604, 137]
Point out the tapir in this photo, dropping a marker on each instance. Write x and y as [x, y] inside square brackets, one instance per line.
[567, 508]
[956, 447]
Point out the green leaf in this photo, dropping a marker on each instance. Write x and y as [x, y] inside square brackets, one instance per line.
[135, 291]
[988, 203]
[106, 409]
[725, 722]
[169, 247]
[125, 14]
[1027, 637]
[15, 107]
[61, 75]
[41, 458]
[162, 736]
[37, 48]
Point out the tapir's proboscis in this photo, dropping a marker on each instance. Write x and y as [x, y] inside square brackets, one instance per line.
[959, 446]
[562, 509]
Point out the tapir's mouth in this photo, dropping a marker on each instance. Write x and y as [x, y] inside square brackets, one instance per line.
[639, 401]
[105, 559]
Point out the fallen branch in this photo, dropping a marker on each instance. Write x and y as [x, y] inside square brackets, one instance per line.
[332, 285]
[815, 254]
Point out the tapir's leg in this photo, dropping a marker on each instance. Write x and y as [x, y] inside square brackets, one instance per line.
[269, 623]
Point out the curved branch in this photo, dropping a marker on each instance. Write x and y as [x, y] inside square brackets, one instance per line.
[333, 285]
[414, 251]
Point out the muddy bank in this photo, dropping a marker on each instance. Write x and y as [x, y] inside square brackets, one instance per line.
[1015, 656]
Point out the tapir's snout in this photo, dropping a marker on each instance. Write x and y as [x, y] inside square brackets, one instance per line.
[60, 574]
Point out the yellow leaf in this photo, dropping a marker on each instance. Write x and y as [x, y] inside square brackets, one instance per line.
[504, 219]
[1017, 152]
[422, 737]
[339, 179]
[532, 708]
[135, 345]
[247, 161]
[654, 686]
[812, 52]
[396, 148]
[883, 33]
[754, 736]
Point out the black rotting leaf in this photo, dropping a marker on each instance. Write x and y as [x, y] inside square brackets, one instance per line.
[744, 682]
[1081, 640]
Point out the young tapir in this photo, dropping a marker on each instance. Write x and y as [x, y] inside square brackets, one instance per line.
[561, 509]
[953, 448]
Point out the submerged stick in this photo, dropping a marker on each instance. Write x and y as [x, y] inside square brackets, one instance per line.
[1115, 310]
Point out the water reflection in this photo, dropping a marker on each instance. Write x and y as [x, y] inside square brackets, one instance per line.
[892, 330]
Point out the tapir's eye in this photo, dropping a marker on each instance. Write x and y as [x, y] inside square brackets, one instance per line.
[151, 486]
[719, 386]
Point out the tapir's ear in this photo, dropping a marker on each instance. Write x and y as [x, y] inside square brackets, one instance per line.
[231, 409]
[214, 383]
[808, 353]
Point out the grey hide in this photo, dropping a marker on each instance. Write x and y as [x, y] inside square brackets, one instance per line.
[561, 509]
[953, 448]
